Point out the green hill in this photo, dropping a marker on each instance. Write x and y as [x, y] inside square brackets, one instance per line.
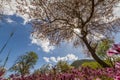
[78, 63]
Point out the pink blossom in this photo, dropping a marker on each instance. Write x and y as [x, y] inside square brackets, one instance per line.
[117, 77]
[117, 65]
[116, 47]
[111, 52]
[97, 79]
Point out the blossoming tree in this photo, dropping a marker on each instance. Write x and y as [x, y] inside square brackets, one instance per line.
[82, 22]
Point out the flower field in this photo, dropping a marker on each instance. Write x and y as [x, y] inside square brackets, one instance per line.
[84, 73]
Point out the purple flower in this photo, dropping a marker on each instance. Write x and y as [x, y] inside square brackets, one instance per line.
[117, 65]
[116, 47]
[117, 77]
[111, 52]
[114, 50]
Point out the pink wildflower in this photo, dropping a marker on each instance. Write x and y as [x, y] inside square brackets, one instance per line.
[111, 52]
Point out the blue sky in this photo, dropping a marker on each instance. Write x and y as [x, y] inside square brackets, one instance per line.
[21, 43]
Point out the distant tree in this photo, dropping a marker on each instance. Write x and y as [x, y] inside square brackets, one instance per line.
[45, 69]
[63, 66]
[24, 63]
[83, 22]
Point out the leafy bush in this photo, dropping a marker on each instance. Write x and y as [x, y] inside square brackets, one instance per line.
[93, 65]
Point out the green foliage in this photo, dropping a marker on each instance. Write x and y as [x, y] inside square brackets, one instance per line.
[63, 66]
[24, 63]
[93, 65]
[103, 46]
[90, 63]
[44, 69]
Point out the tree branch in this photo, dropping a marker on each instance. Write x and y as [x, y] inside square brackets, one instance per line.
[91, 14]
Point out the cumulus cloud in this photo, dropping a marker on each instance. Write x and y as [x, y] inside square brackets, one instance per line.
[9, 20]
[46, 59]
[69, 57]
[44, 43]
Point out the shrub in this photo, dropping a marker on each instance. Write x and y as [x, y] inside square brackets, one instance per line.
[93, 65]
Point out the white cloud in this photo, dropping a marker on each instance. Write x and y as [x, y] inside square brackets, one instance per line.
[46, 59]
[44, 43]
[53, 59]
[9, 20]
[69, 57]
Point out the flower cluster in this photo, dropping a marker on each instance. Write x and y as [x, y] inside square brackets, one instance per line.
[84, 73]
[114, 50]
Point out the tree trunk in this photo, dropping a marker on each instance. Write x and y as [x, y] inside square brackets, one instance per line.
[93, 54]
